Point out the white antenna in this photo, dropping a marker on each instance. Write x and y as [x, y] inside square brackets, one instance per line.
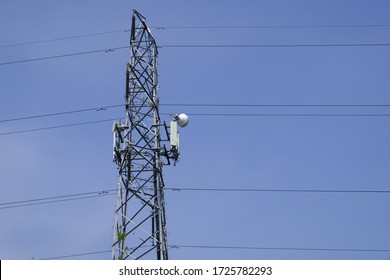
[181, 120]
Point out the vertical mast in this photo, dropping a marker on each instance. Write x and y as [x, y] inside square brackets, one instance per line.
[140, 224]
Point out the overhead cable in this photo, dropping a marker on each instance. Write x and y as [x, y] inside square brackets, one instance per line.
[278, 248]
[112, 191]
[104, 108]
[278, 190]
[100, 192]
[200, 115]
[77, 255]
[227, 46]
[196, 27]
[273, 26]
[284, 115]
[96, 109]
[270, 105]
[55, 127]
[34, 202]
[188, 246]
[276, 45]
[64, 38]
[63, 55]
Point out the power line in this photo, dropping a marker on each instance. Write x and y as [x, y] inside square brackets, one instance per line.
[101, 192]
[229, 46]
[284, 115]
[63, 55]
[196, 27]
[273, 26]
[103, 108]
[64, 38]
[55, 127]
[276, 45]
[278, 248]
[236, 248]
[41, 201]
[62, 113]
[109, 192]
[53, 201]
[278, 190]
[200, 115]
[270, 105]
[77, 255]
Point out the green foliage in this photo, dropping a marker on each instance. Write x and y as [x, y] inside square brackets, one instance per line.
[121, 236]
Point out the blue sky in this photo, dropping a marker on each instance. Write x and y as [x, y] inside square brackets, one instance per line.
[334, 153]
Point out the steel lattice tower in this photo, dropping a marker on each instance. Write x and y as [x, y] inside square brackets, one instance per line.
[140, 224]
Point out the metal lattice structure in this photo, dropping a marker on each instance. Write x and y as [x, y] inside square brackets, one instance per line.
[140, 224]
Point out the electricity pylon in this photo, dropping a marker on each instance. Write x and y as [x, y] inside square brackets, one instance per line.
[140, 153]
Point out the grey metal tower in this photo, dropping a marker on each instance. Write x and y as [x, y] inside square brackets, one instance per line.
[140, 153]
